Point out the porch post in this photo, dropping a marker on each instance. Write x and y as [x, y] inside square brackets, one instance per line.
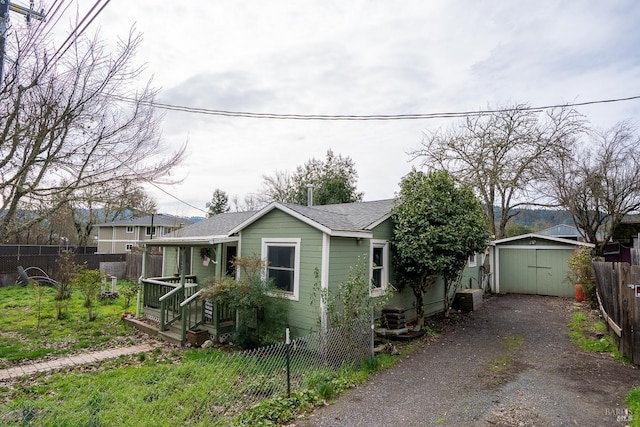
[183, 270]
[143, 275]
[219, 268]
[324, 280]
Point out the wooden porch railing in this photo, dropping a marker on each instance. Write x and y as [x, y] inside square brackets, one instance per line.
[166, 294]
[154, 288]
[185, 305]
[192, 311]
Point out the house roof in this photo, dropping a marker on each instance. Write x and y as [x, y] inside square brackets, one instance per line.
[345, 219]
[562, 230]
[160, 220]
[535, 236]
[630, 219]
[210, 230]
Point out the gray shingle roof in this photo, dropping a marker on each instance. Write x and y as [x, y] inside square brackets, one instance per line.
[160, 220]
[218, 225]
[357, 216]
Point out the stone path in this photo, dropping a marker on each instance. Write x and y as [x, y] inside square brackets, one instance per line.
[67, 362]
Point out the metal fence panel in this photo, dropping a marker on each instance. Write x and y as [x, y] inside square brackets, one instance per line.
[213, 385]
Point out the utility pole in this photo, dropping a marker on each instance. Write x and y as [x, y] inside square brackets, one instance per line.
[5, 6]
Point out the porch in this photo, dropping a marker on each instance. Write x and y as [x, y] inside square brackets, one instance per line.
[175, 303]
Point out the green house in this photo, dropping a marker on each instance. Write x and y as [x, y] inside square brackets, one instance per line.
[304, 246]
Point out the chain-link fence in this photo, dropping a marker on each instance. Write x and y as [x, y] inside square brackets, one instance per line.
[205, 387]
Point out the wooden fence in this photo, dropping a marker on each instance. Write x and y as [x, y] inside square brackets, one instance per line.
[123, 266]
[620, 305]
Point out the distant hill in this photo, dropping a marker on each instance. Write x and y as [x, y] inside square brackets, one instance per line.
[534, 217]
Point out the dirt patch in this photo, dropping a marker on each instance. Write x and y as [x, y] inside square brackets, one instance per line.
[511, 363]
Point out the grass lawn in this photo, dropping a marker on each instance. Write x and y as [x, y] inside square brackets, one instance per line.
[23, 340]
[168, 387]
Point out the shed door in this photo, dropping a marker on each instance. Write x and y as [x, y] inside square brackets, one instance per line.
[535, 271]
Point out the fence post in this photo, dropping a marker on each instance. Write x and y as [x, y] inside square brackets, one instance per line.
[634, 278]
[372, 340]
[288, 346]
[626, 302]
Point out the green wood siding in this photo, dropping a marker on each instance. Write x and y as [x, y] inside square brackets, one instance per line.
[345, 253]
[302, 316]
[170, 260]
[535, 271]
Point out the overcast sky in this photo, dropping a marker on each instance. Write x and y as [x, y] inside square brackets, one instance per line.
[362, 58]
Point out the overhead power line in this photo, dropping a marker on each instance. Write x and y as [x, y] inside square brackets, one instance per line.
[368, 117]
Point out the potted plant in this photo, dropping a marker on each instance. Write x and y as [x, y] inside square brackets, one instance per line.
[581, 267]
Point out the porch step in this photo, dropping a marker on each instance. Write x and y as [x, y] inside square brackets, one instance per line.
[171, 336]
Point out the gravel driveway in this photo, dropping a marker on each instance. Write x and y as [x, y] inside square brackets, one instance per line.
[510, 364]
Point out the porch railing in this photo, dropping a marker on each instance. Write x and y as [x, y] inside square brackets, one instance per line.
[166, 294]
[185, 305]
[156, 287]
[192, 311]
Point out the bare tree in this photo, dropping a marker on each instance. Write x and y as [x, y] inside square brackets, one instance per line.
[599, 183]
[501, 154]
[108, 202]
[277, 187]
[71, 123]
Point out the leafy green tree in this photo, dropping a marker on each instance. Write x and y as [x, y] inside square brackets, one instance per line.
[516, 229]
[219, 203]
[437, 226]
[334, 181]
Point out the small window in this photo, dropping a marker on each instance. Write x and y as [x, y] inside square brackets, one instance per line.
[150, 231]
[128, 247]
[473, 260]
[282, 258]
[129, 229]
[379, 266]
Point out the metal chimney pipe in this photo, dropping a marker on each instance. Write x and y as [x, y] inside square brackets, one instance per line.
[310, 195]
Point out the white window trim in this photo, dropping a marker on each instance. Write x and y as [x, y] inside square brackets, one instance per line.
[384, 244]
[291, 242]
[129, 229]
[127, 248]
[473, 260]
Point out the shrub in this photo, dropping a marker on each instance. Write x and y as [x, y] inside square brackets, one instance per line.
[128, 290]
[262, 315]
[88, 282]
[581, 266]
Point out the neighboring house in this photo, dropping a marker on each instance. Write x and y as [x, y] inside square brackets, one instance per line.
[625, 237]
[532, 264]
[563, 231]
[305, 246]
[124, 235]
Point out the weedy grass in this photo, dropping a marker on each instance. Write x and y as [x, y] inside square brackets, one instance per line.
[199, 388]
[23, 338]
[633, 401]
[582, 331]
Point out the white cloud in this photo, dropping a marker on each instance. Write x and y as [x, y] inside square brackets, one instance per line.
[364, 57]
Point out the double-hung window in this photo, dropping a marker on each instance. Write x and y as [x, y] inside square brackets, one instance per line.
[379, 266]
[473, 260]
[282, 258]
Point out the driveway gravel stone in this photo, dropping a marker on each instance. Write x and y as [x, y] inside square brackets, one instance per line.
[511, 363]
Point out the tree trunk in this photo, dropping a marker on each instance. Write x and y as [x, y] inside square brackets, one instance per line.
[419, 294]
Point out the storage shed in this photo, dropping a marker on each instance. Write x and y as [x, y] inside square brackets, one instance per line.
[532, 264]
